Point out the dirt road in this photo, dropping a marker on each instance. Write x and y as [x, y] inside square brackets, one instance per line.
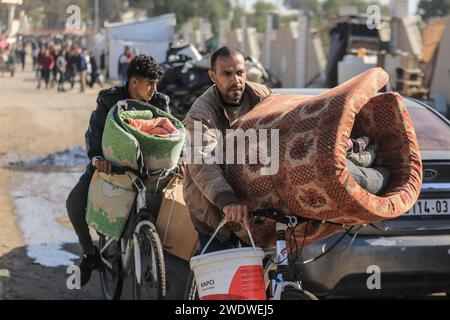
[35, 123]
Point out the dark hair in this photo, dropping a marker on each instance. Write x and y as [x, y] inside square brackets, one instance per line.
[224, 52]
[146, 67]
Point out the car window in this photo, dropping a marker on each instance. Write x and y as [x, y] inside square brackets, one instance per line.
[432, 132]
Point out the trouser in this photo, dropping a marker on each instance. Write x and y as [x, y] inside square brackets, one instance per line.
[374, 179]
[82, 80]
[45, 75]
[77, 201]
[54, 75]
[61, 81]
[94, 76]
[76, 209]
[70, 76]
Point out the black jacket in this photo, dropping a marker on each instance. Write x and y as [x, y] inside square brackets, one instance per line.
[107, 98]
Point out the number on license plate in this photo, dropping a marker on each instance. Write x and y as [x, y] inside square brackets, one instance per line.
[430, 207]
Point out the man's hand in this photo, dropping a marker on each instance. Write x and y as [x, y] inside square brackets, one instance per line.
[237, 213]
[102, 166]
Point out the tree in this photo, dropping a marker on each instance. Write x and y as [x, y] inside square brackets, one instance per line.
[109, 10]
[238, 13]
[311, 6]
[214, 10]
[433, 8]
[384, 8]
[330, 8]
[259, 18]
[2, 19]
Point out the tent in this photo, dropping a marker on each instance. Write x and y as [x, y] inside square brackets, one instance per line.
[151, 36]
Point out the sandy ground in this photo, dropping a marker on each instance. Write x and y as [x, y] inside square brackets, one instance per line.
[38, 123]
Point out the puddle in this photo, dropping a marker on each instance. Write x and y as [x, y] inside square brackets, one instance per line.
[65, 160]
[40, 203]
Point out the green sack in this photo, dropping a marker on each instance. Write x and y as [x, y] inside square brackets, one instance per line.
[124, 145]
[110, 200]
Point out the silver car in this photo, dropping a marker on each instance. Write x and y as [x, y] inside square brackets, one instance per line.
[411, 258]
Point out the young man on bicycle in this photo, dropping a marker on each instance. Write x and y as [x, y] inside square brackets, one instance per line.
[207, 193]
[143, 75]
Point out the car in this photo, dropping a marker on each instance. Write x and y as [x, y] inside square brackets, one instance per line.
[411, 258]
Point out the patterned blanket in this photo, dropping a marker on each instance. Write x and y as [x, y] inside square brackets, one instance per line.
[312, 180]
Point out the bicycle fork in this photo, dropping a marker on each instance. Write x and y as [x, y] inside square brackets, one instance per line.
[282, 277]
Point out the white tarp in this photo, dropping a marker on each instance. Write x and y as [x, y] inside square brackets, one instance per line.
[150, 37]
[155, 49]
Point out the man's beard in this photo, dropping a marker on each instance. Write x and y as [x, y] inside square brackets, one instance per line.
[235, 96]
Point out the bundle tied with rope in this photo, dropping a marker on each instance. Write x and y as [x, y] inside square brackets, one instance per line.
[125, 144]
[146, 142]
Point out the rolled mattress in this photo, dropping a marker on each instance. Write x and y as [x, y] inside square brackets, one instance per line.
[312, 180]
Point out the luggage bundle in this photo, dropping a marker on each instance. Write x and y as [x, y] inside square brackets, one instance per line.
[140, 137]
[110, 200]
[126, 145]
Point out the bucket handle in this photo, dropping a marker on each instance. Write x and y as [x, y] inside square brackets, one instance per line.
[221, 224]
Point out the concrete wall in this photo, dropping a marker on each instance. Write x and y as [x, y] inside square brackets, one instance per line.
[441, 78]
[399, 8]
[406, 35]
[286, 59]
[283, 54]
[293, 53]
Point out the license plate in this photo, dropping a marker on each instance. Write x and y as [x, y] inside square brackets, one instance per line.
[426, 207]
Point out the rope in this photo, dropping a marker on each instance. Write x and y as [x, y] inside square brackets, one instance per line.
[174, 195]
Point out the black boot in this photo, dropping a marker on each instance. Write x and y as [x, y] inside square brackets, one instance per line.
[88, 264]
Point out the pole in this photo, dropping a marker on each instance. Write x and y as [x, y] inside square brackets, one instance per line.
[11, 14]
[301, 50]
[96, 14]
[268, 41]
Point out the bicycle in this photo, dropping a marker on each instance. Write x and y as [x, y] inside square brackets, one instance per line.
[282, 283]
[138, 252]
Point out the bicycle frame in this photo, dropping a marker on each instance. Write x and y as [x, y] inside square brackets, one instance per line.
[279, 260]
[127, 248]
[138, 240]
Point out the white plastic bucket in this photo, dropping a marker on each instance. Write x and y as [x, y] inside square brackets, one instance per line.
[235, 274]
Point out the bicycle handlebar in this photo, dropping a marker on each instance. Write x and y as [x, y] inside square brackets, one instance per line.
[282, 218]
[276, 216]
[121, 170]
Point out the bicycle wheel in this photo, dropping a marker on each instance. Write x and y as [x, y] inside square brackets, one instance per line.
[111, 277]
[190, 293]
[153, 271]
[291, 293]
